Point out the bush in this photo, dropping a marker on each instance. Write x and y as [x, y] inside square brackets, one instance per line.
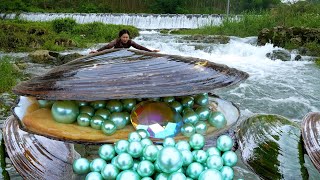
[8, 74]
[166, 6]
[64, 24]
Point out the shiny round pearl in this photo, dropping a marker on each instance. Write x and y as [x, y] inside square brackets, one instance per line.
[145, 168]
[229, 158]
[114, 161]
[87, 109]
[159, 147]
[134, 136]
[126, 116]
[156, 167]
[215, 162]
[118, 119]
[176, 106]
[203, 113]
[110, 171]
[83, 103]
[194, 170]
[183, 145]
[128, 104]
[227, 172]
[187, 101]
[197, 141]
[169, 159]
[188, 129]
[121, 146]
[97, 165]
[124, 161]
[150, 153]
[45, 103]
[146, 142]
[81, 166]
[135, 149]
[217, 119]
[187, 157]
[201, 127]
[210, 174]
[83, 119]
[201, 100]
[65, 111]
[177, 176]
[98, 104]
[169, 141]
[190, 117]
[168, 99]
[162, 176]
[114, 106]
[147, 178]
[213, 151]
[187, 110]
[200, 156]
[94, 176]
[106, 152]
[108, 127]
[224, 143]
[96, 122]
[143, 133]
[104, 113]
[128, 175]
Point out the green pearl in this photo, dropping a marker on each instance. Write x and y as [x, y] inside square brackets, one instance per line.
[169, 141]
[83, 103]
[83, 119]
[126, 116]
[187, 157]
[183, 145]
[197, 141]
[81, 166]
[217, 119]
[194, 170]
[96, 122]
[187, 101]
[169, 159]
[201, 100]
[146, 142]
[114, 106]
[118, 119]
[203, 113]
[176, 106]
[210, 174]
[213, 151]
[94, 176]
[97, 165]
[143, 133]
[128, 104]
[188, 129]
[135, 149]
[145, 168]
[106, 152]
[150, 153]
[168, 99]
[108, 127]
[200, 156]
[229, 158]
[224, 143]
[65, 111]
[45, 103]
[162, 176]
[227, 173]
[201, 127]
[121, 146]
[190, 117]
[98, 104]
[87, 109]
[134, 136]
[153, 99]
[214, 162]
[104, 113]
[110, 171]
[187, 110]
[124, 161]
[177, 176]
[128, 175]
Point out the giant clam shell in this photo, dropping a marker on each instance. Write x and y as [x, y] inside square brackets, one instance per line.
[271, 146]
[311, 137]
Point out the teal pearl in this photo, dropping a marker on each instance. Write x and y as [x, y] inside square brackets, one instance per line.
[229, 158]
[108, 127]
[135, 165]
[187, 101]
[94, 176]
[100, 104]
[187, 157]
[83, 119]
[211, 174]
[65, 111]
[81, 166]
[203, 113]
[128, 175]
[201, 100]
[197, 141]
[162, 176]
[169, 159]
[147, 178]
[188, 129]
[200, 156]
[83, 103]
[128, 104]
[169, 141]
[104, 113]
[190, 117]
[110, 171]
[45, 103]
[96, 122]
[106, 152]
[134, 136]
[217, 119]
[227, 173]
[201, 127]
[213, 151]
[157, 168]
[114, 162]
[146, 142]
[176, 106]
[183, 145]
[168, 99]
[177, 176]
[118, 119]
[205, 94]
[215, 162]
[135, 149]
[87, 109]
[143, 133]
[194, 170]
[121, 146]
[150, 153]
[126, 116]
[97, 165]
[124, 161]
[145, 168]
[159, 147]
[224, 143]
[114, 106]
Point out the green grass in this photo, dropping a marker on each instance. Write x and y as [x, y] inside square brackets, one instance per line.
[8, 75]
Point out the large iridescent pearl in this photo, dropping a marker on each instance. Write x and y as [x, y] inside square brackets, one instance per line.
[128, 175]
[169, 141]
[81, 166]
[201, 127]
[213, 151]
[94, 176]
[124, 161]
[227, 173]
[190, 117]
[45, 103]
[114, 106]
[211, 174]
[183, 145]
[96, 122]
[229, 158]
[215, 162]
[169, 159]
[197, 141]
[194, 170]
[177, 176]
[217, 119]
[135, 149]
[145, 168]
[143, 133]
[128, 104]
[146, 142]
[187, 101]
[168, 99]
[87, 109]
[224, 143]
[106, 152]
[121, 146]
[83, 119]
[200, 156]
[98, 104]
[150, 153]
[65, 111]
[134, 136]
[104, 113]
[108, 127]
[188, 129]
[187, 157]
[176, 106]
[201, 100]
[118, 119]
[110, 171]
[97, 165]
[203, 113]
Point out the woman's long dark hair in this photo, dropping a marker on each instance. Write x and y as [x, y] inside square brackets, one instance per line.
[123, 31]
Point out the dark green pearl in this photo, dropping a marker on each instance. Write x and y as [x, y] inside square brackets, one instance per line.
[177, 106]
[154, 99]
[187, 101]
[168, 99]
[83, 119]
[186, 110]
[128, 104]
[104, 113]
[203, 113]
[45, 103]
[114, 106]
[96, 122]
[201, 100]
[87, 109]
[201, 127]
[65, 111]
[98, 104]
[188, 129]
[108, 127]
[118, 119]
[217, 119]
[126, 117]
[190, 117]
[83, 103]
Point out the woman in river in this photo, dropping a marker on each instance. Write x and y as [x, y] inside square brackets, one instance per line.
[123, 41]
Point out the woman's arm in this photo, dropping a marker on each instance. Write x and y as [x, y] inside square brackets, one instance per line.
[137, 46]
[108, 46]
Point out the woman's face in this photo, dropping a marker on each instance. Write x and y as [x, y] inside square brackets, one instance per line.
[124, 38]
